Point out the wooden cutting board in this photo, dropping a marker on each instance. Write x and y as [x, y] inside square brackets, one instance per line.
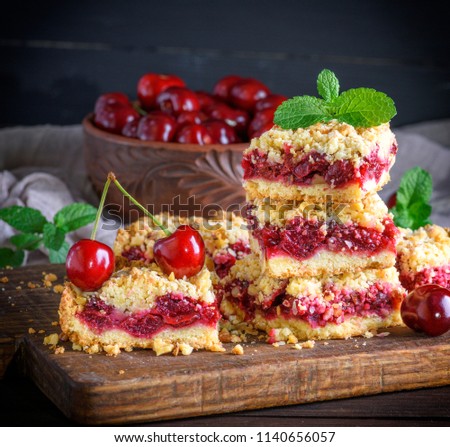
[139, 387]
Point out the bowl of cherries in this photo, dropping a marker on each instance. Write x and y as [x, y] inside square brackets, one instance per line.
[177, 149]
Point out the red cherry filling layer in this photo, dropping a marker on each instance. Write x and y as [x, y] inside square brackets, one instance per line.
[302, 239]
[302, 172]
[431, 275]
[135, 254]
[226, 258]
[376, 300]
[170, 311]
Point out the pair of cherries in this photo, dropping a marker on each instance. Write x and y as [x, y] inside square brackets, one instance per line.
[90, 263]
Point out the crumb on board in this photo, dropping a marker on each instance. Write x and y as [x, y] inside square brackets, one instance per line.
[383, 334]
[59, 350]
[32, 285]
[31, 330]
[58, 288]
[18, 288]
[368, 334]
[55, 323]
[309, 344]
[51, 339]
[4, 279]
[50, 277]
[41, 331]
[297, 346]
[121, 371]
[238, 350]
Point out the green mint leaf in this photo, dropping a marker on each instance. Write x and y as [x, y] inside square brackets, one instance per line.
[10, 257]
[26, 241]
[59, 256]
[23, 219]
[416, 185]
[301, 111]
[363, 107]
[53, 236]
[412, 209]
[74, 216]
[327, 85]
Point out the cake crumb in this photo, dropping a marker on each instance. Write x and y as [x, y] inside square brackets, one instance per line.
[297, 346]
[368, 334]
[112, 350]
[41, 331]
[326, 343]
[50, 277]
[185, 349]
[292, 339]
[51, 339]
[18, 288]
[55, 323]
[31, 285]
[275, 345]
[308, 344]
[121, 371]
[225, 336]
[31, 330]
[76, 347]
[58, 288]
[59, 350]
[238, 350]
[4, 279]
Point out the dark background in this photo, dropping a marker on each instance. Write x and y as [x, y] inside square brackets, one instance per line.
[58, 56]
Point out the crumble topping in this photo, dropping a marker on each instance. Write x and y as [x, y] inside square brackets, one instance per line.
[370, 212]
[426, 247]
[131, 290]
[338, 141]
[238, 350]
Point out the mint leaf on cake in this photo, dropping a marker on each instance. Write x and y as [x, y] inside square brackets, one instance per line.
[359, 107]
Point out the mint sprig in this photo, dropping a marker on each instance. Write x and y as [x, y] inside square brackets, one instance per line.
[37, 231]
[359, 107]
[412, 208]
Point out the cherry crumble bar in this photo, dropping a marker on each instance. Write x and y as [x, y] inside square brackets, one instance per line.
[321, 307]
[424, 257]
[325, 158]
[300, 239]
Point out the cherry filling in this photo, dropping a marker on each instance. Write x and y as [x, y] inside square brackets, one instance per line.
[135, 254]
[376, 300]
[224, 260]
[302, 239]
[170, 311]
[431, 275]
[301, 172]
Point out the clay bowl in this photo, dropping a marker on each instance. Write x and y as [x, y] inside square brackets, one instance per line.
[185, 179]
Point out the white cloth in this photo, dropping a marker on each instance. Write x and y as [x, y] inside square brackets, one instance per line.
[42, 167]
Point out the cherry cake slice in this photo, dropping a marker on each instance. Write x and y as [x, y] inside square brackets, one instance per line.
[322, 307]
[140, 307]
[325, 158]
[424, 257]
[324, 237]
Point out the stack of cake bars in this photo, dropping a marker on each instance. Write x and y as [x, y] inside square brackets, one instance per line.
[323, 245]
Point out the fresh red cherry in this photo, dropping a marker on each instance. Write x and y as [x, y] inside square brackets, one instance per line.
[193, 134]
[156, 127]
[247, 92]
[89, 264]
[113, 117]
[238, 119]
[205, 99]
[261, 120]
[183, 252]
[427, 309]
[111, 98]
[392, 201]
[175, 100]
[269, 102]
[152, 84]
[221, 132]
[130, 128]
[223, 86]
[190, 118]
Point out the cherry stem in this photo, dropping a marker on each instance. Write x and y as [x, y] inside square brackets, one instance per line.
[100, 208]
[112, 178]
